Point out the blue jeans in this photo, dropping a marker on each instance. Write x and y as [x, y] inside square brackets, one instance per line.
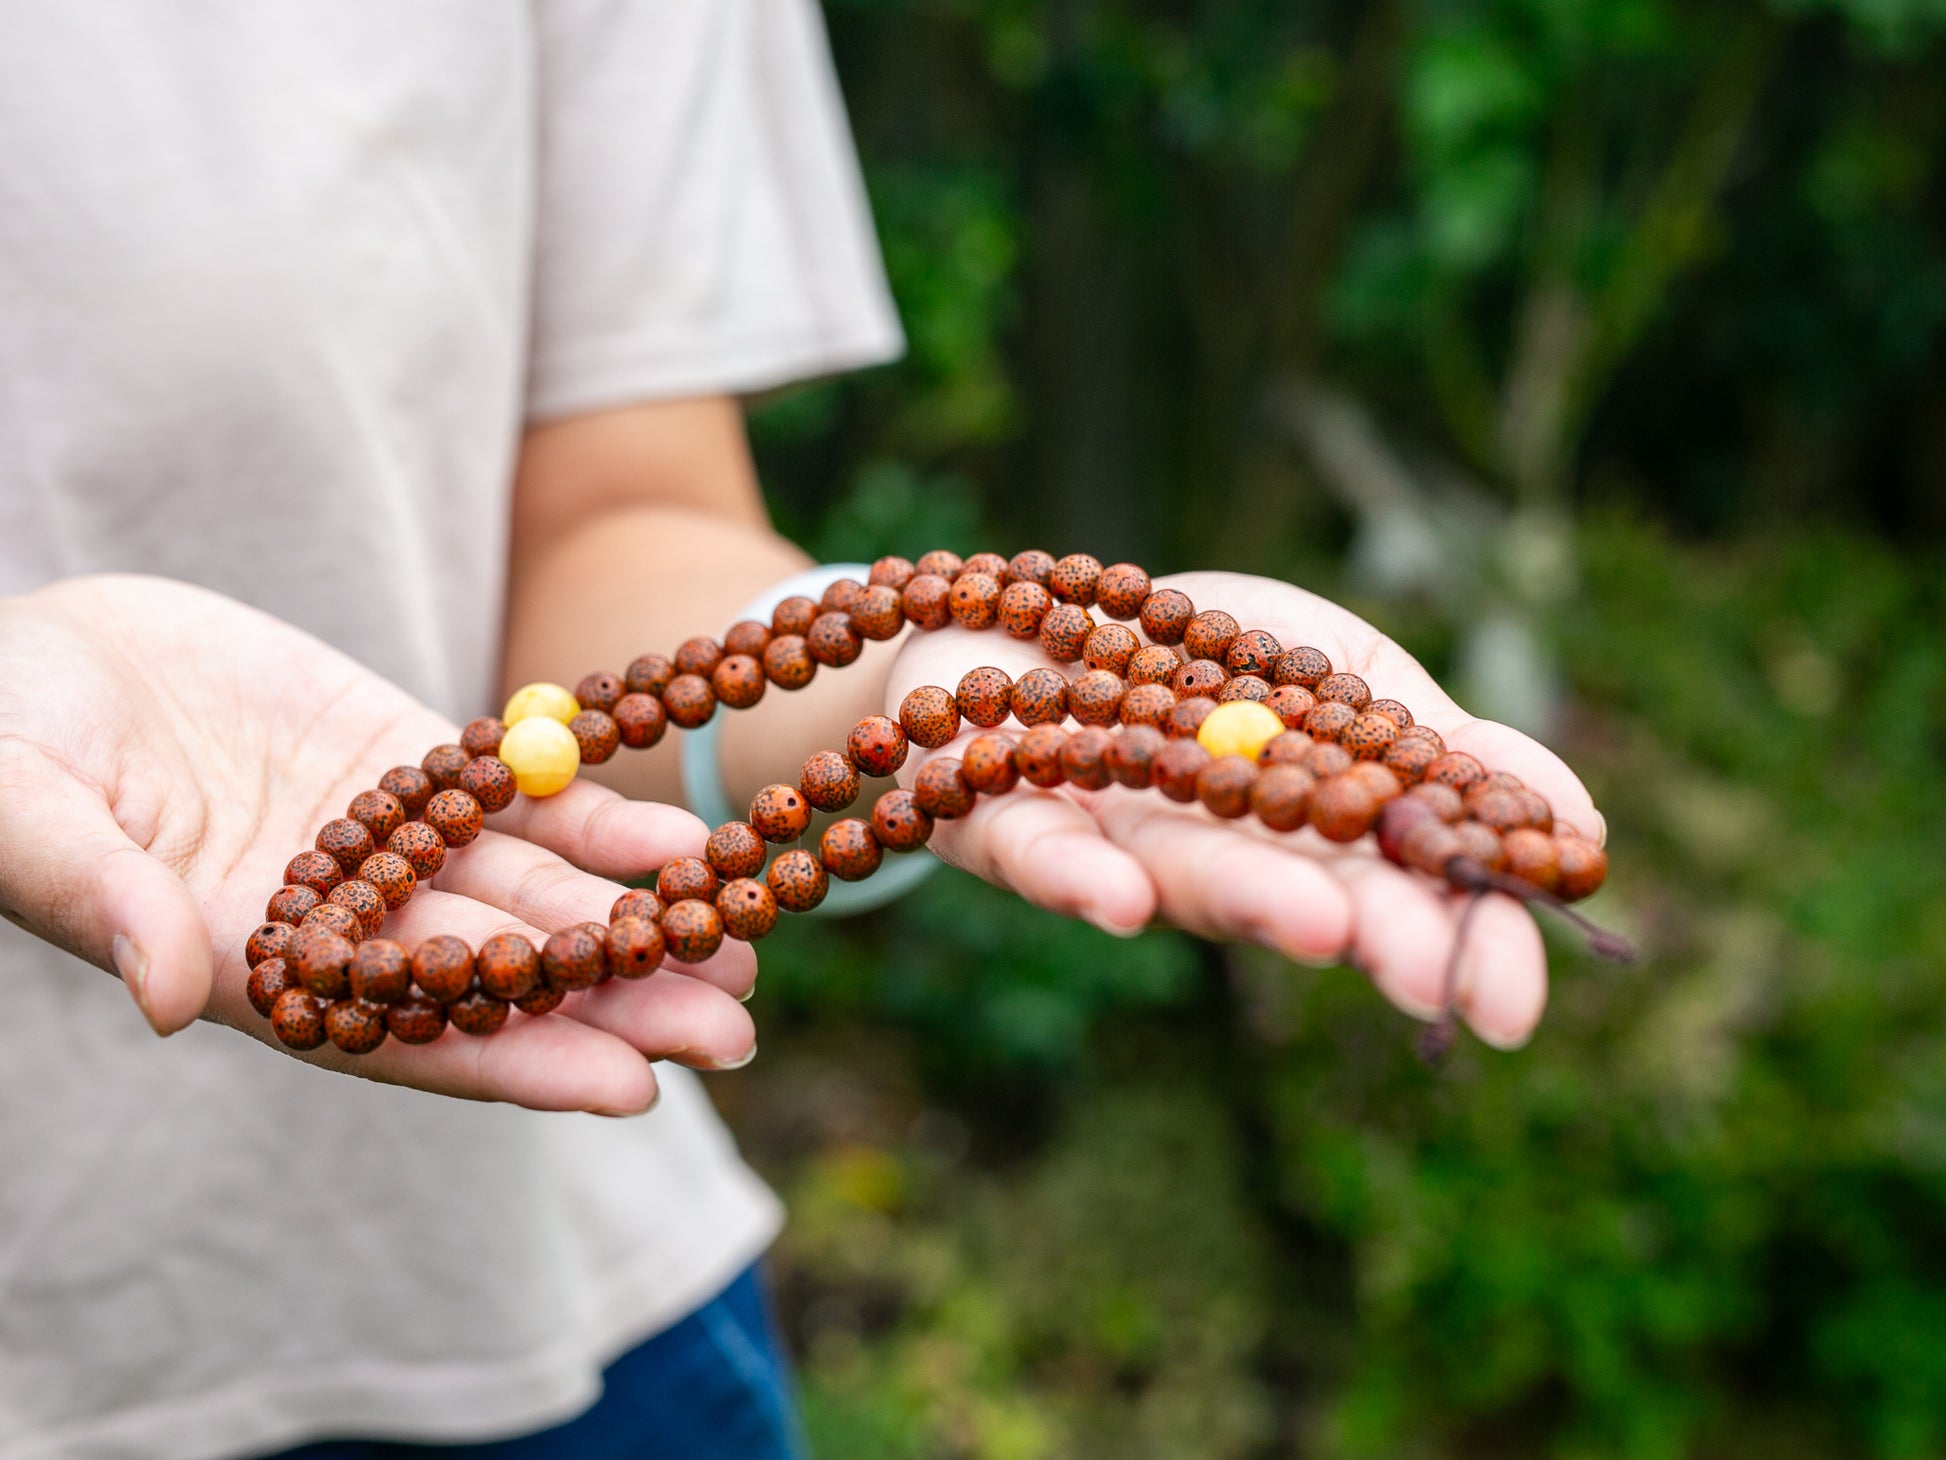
[714, 1387]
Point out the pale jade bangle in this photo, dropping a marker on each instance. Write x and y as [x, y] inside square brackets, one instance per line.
[702, 769]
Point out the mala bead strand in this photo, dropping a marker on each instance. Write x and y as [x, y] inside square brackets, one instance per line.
[1196, 707]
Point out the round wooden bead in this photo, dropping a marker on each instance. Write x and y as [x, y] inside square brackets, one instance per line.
[1188, 716]
[1130, 759]
[364, 902]
[1021, 609]
[1110, 647]
[289, 904]
[840, 595]
[1224, 785]
[1291, 703]
[596, 736]
[992, 564]
[346, 842]
[508, 966]
[648, 674]
[745, 636]
[1174, 769]
[1147, 704]
[641, 720]
[316, 870]
[849, 850]
[1096, 697]
[443, 763]
[1342, 808]
[1455, 768]
[323, 962]
[877, 746]
[1582, 865]
[1121, 590]
[1369, 736]
[411, 787]
[543, 755]
[988, 766]
[297, 1019]
[1344, 689]
[421, 847]
[899, 824]
[1491, 806]
[941, 791]
[415, 1019]
[543, 1000]
[1064, 632]
[832, 641]
[1165, 615]
[794, 616]
[540, 698]
[1031, 566]
[380, 971]
[456, 816]
[686, 877]
[270, 940]
[1281, 795]
[747, 909]
[637, 902]
[692, 930]
[985, 696]
[380, 812]
[490, 781]
[598, 691]
[1397, 713]
[829, 781]
[735, 850]
[1210, 634]
[698, 656]
[974, 601]
[787, 662]
[267, 981]
[575, 958]
[1540, 816]
[877, 615]
[1446, 803]
[1075, 579]
[1153, 664]
[1289, 748]
[1084, 758]
[738, 681]
[1241, 727]
[635, 947]
[1408, 759]
[442, 967]
[1305, 667]
[1198, 677]
[1040, 697]
[780, 813]
[1253, 652]
[891, 572]
[1378, 780]
[1482, 844]
[355, 1026]
[340, 920]
[798, 881]
[929, 716]
[925, 601]
[689, 701]
[1329, 719]
[946, 564]
[1243, 687]
[1037, 756]
[1327, 758]
[478, 1013]
[1531, 856]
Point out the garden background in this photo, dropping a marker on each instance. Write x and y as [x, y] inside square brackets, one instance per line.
[1593, 348]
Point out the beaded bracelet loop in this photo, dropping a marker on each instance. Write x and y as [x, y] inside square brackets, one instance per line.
[1194, 707]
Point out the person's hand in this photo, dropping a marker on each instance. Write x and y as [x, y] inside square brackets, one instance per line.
[1121, 858]
[165, 751]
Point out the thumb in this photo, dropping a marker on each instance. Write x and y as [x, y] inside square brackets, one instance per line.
[69, 873]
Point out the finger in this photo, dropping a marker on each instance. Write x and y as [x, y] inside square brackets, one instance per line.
[603, 831]
[72, 875]
[1050, 851]
[541, 890]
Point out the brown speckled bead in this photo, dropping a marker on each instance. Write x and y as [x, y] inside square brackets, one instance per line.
[1084, 758]
[1210, 634]
[380, 812]
[924, 601]
[392, 875]
[780, 813]
[1064, 630]
[1224, 785]
[635, 947]
[1166, 615]
[363, 901]
[891, 571]
[692, 931]
[745, 636]
[1131, 755]
[416, 1018]
[1306, 667]
[482, 736]
[1446, 803]
[1096, 697]
[1327, 758]
[899, 824]
[735, 850]
[297, 1019]
[1110, 647]
[849, 849]
[1329, 719]
[1482, 844]
[798, 881]
[1198, 677]
[289, 904]
[1031, 566]
[738, 682]
[992, 564]
[346, 842]
[988, 765]
[946, 564]
[489, 780]
[598, 691]
[929, 716]
[1148, 704]
[1531, 856]
[974, 601]
[877, 614]
[268, 980]
[442, 967]
[1253, 651]
[840, 595]
[698, 656]
[1291, 703]
[337, 919]
[648, 674]
[829, 781]
[380, 972]
[1342, 808]
[1582, 866]
[1022, 607]
[1037, 756]
[941, 791]
[1281, 796]
[1378, 780]
[598, 737]
[1344, 689]
[1369, 736]
[1243, 687]
[1492, 806]
[787, 662]
[270, 940]
[575, 958]
[1121, 590]
[323, 960]
[355, 1026]
[689, 701]
[641, 720]
[1408, 758]
[1540, 816]
[686, 877]
[794, 616]
[877, 746]
[421, 846]
[985, 696]
[456, 816]
[314, 869]
[637, 902]
[442, 765]
[411, 786]
[1505, 781]
[1075, 579]
[543, 1000]
[1289, 748]
[747, 909]
[1040, 697]
[832, 641]
[1187, 717]
[1455, 768]
[508, 966]
[1174, 768]
[478, 1013]
[1397, 713]
[1153, 664]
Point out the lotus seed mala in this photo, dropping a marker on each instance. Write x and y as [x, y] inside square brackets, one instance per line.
[1204, 711]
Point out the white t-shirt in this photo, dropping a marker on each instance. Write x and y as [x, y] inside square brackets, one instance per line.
[279, 286]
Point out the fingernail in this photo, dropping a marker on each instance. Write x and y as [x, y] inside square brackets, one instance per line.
[738, 1063]
[747, 995]
[1109, 926]
[133, 965]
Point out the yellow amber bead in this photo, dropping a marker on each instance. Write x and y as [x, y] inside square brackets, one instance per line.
[540, 698]
[1241, 727]
[542, 753]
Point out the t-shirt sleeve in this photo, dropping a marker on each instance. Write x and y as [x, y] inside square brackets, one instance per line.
[701, 223]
